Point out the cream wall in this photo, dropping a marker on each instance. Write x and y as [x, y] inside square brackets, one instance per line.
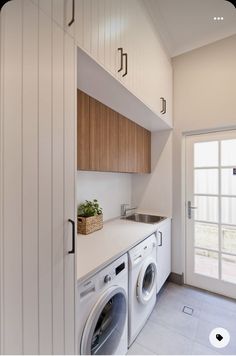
[204, 99]
[110, 189]
[153, 192]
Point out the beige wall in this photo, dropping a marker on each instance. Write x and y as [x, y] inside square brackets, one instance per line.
[204, 99]
[153, 192]
[110, 189]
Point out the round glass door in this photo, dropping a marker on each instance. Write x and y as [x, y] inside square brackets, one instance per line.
[105, 325]
[146, 285]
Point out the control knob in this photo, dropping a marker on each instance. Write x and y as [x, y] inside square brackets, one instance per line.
[107, 278]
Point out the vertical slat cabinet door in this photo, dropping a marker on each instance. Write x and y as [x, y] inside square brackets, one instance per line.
[70, 129]
[101, 31]
[85, 41]
[37, 182]
[58, 312]
[95, 133]
[83, 131]
[58, 10]
[30, 178]
[11, 178]
[1, 179]
[108, 140]
[113, 136]
[127, 145]
[140, 158]
[45, 183]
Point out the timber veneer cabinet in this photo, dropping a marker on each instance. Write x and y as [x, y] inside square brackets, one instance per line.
[108, 141]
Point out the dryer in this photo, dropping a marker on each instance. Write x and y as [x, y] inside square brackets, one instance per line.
[142, 285]
[102, 313]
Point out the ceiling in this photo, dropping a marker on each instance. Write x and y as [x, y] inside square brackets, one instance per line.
[185, 25]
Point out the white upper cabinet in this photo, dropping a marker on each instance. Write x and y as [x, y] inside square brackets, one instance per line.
[103, 26]
[120, 36]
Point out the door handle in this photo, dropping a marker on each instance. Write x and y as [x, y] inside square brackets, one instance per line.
[162, 105]
[126, 64]
[190, 208]
[73, 14]
[73, 236]
[121, 59]
[161, 235]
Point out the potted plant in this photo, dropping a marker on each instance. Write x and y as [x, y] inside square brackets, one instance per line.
[90, 217]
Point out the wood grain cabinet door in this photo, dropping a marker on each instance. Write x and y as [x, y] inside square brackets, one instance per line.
[108, 141]
[83, 131]
[143, 150]
[103, 137]
[127, 145]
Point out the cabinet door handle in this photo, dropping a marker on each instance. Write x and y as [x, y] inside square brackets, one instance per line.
[121, 59]
[160, 238]
[126, 64]
[162, 105]
[73, 236]
[73, 14]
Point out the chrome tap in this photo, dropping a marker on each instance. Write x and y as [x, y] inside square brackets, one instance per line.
[124, 209]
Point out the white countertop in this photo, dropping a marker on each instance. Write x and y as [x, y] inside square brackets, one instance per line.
[96, 250]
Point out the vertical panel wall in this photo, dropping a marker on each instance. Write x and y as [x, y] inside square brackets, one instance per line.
[12, 243]
[37, 181]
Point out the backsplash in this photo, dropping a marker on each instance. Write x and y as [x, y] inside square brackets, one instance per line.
[110, 189]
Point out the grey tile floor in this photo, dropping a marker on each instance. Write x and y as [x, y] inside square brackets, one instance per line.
[169, 331]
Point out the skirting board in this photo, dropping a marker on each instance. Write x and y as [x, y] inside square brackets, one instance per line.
[176, 278]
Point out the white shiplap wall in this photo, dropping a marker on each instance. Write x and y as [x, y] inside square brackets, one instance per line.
[37, 182]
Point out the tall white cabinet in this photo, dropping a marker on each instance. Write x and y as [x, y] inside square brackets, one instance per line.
[37, 182]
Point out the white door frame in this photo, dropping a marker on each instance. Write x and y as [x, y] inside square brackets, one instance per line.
[184, 190]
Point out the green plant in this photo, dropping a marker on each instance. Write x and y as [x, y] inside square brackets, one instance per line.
[89, 208]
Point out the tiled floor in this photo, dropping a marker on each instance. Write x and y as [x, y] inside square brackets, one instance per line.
[169, 331]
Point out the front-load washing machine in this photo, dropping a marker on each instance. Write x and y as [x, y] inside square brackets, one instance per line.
[142, 285]
[102, 312]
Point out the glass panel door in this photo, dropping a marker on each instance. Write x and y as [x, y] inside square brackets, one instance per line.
[211, 212]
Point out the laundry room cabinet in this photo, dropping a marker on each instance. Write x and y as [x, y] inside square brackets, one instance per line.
[105, 29]
[37, 181]
[108, 141]
[163, 252]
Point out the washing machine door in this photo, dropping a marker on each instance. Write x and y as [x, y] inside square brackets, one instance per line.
[106, 322]
[146, 283]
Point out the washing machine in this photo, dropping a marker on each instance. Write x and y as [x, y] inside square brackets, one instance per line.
[142, 285]
[102, 312]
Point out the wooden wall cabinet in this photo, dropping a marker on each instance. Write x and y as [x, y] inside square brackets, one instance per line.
[108, 141]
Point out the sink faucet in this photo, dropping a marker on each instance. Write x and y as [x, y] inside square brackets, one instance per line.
[124, 209]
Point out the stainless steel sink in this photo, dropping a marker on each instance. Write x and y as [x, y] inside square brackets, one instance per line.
[145, 218]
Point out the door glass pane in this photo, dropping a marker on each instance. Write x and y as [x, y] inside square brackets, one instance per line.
[228, 156]
[109, 327]
[228, 239]
[228, 211]
[206, 235]
[206, 263]
[228, 182]
[148, 279]
[206, 181]
[207, 209]
[206, 154]
[229, 268]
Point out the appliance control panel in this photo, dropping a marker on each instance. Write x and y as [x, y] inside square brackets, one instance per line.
[113, 271]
